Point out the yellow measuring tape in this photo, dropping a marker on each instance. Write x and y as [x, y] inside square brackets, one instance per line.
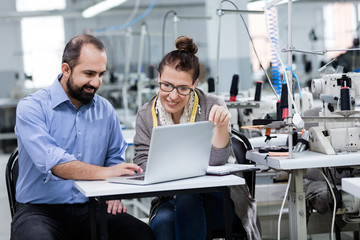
[193, 113]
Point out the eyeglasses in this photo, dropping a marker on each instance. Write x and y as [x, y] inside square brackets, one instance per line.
[168, 87]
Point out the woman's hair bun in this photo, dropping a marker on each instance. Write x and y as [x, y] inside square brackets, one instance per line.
[184, 43]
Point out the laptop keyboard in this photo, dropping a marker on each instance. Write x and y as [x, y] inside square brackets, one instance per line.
[137, 176]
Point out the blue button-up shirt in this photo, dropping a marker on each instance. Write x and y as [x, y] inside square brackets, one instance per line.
[50, 131]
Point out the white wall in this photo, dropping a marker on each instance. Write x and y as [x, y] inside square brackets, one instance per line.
[234, 46]
[10, 40]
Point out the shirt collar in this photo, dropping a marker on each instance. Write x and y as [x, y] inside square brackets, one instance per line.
[58, 94]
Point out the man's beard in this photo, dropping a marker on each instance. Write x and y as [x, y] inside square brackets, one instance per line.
[78, 92]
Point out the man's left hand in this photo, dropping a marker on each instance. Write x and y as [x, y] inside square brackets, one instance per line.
[115, 207]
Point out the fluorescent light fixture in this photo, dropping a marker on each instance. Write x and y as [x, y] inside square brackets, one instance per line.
[101, 7]
[261, 3]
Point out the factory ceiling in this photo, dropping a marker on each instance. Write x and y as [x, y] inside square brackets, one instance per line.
[77, 6]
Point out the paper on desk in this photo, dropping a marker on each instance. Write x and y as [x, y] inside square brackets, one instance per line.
[229, 168]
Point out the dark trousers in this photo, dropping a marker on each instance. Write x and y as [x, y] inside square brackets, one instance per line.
[70, 222]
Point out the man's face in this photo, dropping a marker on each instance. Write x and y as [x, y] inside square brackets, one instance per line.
[84, 93]
[86, 77]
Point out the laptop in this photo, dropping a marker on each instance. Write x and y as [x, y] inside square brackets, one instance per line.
[176, 152]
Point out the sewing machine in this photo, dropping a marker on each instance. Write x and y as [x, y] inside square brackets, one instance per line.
[338, 128]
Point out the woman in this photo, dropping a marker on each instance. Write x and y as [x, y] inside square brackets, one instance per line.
[178, 101]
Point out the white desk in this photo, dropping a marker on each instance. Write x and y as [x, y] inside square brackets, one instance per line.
[351, 186]
[298, 165]
[100, 191]
[306, 159]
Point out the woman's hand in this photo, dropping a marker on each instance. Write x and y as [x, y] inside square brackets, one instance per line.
[221, 117]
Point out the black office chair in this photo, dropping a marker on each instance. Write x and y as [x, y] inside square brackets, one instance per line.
[11, 174]
[240, 145]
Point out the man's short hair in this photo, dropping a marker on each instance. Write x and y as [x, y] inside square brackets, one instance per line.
[73, 48]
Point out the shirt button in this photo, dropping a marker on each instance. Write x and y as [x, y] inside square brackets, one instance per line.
[75, 195]
[79, 154]
[79, 132]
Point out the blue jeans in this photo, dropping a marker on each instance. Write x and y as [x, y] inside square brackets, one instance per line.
[184, 217]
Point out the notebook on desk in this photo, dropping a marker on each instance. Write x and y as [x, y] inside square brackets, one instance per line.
[176, 152]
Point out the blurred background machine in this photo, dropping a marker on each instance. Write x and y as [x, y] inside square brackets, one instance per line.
[7, 110]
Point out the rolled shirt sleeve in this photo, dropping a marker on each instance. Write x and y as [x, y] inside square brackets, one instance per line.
[39, 145]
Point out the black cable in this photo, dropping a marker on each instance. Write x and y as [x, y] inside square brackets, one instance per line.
[332, 179]
[163, 30]
[337, 193]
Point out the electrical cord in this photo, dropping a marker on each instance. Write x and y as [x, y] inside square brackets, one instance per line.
[334, 210]
[297, 79]
[253, 46]
[163, 30]
[149, 43]
[273, 33]
[282, 64]
[133, 13]
[139, 18]
[282, 205]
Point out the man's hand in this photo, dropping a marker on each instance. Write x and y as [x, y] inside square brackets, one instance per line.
[122, 169]
[115, 207]
[78, 170]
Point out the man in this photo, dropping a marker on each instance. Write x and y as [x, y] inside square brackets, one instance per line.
[66, 132]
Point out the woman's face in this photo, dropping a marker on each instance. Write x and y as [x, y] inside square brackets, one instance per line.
[173, 102]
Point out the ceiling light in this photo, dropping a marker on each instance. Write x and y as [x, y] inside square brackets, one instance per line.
[262, 3]
[101, 7]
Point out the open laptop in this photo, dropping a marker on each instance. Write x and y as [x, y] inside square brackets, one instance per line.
[176, 152]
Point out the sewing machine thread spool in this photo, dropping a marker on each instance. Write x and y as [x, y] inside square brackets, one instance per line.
[345, 99]
[211, 85]
[258, 91]
[278, 111]
[284, 101]
[234, 88]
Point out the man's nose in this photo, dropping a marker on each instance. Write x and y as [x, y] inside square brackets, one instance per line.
[96, 81]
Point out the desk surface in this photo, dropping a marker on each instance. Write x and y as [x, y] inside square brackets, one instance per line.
[102, 188]
[351, 186]
[305, 159]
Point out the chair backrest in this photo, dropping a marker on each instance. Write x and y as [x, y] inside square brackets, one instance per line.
[241, 144]
[11, 174]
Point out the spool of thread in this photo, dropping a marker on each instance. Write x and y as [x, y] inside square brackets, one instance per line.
[345, 99]
[234, 87]
[211, 84]
[258, 91]
[285, 113]
[278, 111]
[151, 71]
[284, 106]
